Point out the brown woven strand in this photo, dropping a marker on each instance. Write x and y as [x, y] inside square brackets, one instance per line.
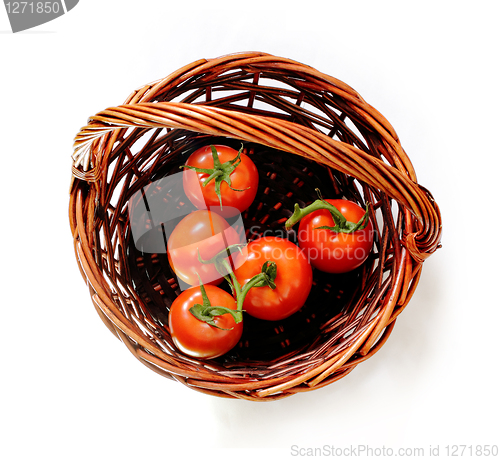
[301, 127]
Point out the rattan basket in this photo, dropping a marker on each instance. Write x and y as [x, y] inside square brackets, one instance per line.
[303, 129]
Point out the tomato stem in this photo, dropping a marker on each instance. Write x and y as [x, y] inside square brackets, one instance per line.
[342, 225]
[221, 172]
[266, 277]
[222, 265]
[233, 282]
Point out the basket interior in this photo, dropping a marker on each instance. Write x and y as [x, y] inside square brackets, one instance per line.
[282, 183]
[338, 305]
[142, 283]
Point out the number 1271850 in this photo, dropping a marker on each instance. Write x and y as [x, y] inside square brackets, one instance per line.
[32, 7]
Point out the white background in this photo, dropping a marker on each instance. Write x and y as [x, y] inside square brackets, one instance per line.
[70, 390]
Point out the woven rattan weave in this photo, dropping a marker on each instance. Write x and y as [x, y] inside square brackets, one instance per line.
[304, 130]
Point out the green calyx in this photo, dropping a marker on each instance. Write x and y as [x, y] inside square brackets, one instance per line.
[221, 172]
[206, 312]
[342, 225]
[266, 277]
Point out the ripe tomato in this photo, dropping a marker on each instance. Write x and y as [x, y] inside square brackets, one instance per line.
[233, 197]
[330, 251]
[200, 231]
[198, 338]
[293, 278]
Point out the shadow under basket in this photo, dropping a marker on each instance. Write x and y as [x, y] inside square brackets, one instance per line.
[303, 130]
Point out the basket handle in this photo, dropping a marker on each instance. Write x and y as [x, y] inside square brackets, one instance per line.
[91, 149]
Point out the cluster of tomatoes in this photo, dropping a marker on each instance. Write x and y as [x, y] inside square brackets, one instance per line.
[270, 277]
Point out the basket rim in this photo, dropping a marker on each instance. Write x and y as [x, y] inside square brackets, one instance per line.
[394, 177]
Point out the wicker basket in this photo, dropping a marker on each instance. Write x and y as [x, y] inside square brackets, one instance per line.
[304, 130]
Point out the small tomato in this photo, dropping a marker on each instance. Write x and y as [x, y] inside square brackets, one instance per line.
[198, 338]
[331, 251]
[220, 178]
[201, 233]
[293, 279]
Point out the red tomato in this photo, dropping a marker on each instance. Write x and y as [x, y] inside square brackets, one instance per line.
[293, 278]
[203, 231]
[333, 252]
[198, 338]
[244, 178]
